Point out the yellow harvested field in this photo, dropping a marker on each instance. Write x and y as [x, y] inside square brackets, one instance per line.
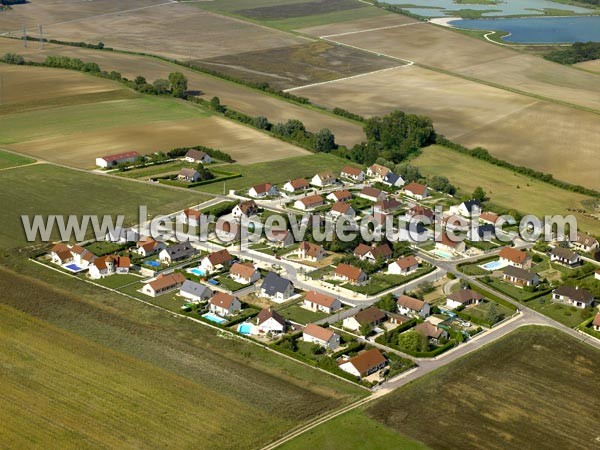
[447, 50]
[243, 99]
[188, 33]
[593, 65]
[244, 144]
[388, 20]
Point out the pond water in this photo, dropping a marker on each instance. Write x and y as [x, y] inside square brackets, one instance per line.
[541, 30]
[441, 8]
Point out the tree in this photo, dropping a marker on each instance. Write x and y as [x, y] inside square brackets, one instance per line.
[13, 58]
[479, 194]
[261, 122]
[162, 86]
[179, 84]
[365, 329]
[412, 342]
[324, 140]
[215, 104]
[441, 184]
[387, 303]
[140, 81]
[493, 315]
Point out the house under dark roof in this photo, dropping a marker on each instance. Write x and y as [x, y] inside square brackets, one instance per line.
[575, 293]
[197, 289]
[274, 284]
[179, 251]
[472, 205]
[520, 274]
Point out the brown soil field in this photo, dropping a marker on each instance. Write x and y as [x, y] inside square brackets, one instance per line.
[593, 65]
[247, 100]
[514, 127]
[244, 144]
[454, 52]
[189, 32]
[288, 10]
[297, 65]
[388, 20]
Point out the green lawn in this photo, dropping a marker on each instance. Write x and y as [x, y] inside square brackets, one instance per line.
[519, 294]
[118, 281]
[565, 314]
[297, 313]
[45, 189]
[228, 283]
[380, 282]
[12, 160]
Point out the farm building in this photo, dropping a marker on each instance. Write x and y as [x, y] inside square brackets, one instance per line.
[112, 160]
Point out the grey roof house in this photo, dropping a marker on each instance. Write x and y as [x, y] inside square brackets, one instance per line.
[276, 287]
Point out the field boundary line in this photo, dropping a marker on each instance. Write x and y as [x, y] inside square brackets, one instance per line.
[407, 62]
[371, 29]
[193, 319]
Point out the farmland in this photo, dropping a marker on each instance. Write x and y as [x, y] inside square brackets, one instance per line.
[533, 375]
[9, 160]
[107, 341]
[593, 66]
[67, 192]
[505, 188]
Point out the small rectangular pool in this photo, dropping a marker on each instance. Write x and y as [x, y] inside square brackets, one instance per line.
[73, 268]
[197, 271]
[494, 265]
[246, 328]
[214, 318]
[442, 254]
[152, 263]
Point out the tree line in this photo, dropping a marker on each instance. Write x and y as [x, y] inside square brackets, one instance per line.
[578, 52]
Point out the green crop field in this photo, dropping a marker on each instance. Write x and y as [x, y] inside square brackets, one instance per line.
[506, 189]
[8, 160]
[46, 189]
[153, 380]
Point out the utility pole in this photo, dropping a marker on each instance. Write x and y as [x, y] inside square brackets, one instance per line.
[24, 36]
[41, 38]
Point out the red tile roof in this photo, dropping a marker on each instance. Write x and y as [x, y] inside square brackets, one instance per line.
[323, 334]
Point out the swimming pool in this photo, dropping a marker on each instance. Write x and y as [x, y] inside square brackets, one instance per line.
[198, 272]
[494, 265]
[152, 263]
[245, 328]
[442, 254]
[73, 268]
[214, 318]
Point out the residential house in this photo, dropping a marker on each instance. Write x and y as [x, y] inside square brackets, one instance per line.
[515, 257]
[122, 235]
[263, 190]
[108, 265]
[387, 206]
[81, 256]
[393, 180]
[270, 321]
[324, 337]
[310, 252]
[469, 209]
[482, 232]
[216, 260]
[342, 209]
[281, 238]
[148, 246]
[228, 231]
[364, 364]
[445, 244]
[489, 217]
[276, 287]
[323, 179]
[245, 209]
[403, 266]
[370, 316]
[244, 273]
[352, 173]
[520, 277]
[61, 254]
[463, 297]
[350, 274]
[421, 213]
[377, 171]
[163, 283]
[297, 185]
[190, 216]
[416, 190]
[195, 292]
[413, 307]
[321, 302]
[373, 253]
[372, 194]
[340, 196]
[596, 322]
[585, 242]
[433, 334]
[113, 160]
[573, 295]
[309, 202]
[397, 319]
[224, 305]
[565, 256]
[189, 175]
[196, 157]
[177, 252]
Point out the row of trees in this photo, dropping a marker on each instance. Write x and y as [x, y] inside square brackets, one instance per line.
[578, 52]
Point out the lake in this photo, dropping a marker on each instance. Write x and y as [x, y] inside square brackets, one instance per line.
[442, 8]
[541, 30]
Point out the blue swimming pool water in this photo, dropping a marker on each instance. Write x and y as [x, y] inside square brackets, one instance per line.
[152, 263]
[493, 265]
[198, 272]
[442, 254]
[245, 328]
[214, 318]
[73, 267]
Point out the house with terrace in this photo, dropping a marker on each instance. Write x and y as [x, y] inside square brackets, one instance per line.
[269, 321]
[323, 179]
[177, 252]
[263, 190]
[216, 260]
[105, 266]
[342, 209]
[244, 273]
[61, 254]
[147, 246]
[224, 305]
[325, 337]
[298, 185]
[373, 253]
[416, 190]
[464, 298]
[309, 202]
[447, 245]
[351, 274]
[343, 195]
[432, 333]
[585, 242]
[188, 175]
[197, 157]
[310, 252]
[574, 296]
[364, 364]
[403, 266]
[352, 173]
[413, 307]
[520, 277]
[515, 257]
[378, 172]
[276, 288]
[245, 209]
[370, 317]
[372, 194]
[195, 292]
[316, 301]
[163, 283]
[81, 256]
[565, 257]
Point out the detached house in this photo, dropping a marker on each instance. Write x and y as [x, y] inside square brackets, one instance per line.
[195, 292]
[163, 284]
[340, 196]
[281, 238]
[190, 216]
[445, 244]
[369, 253]
[323, 179]
[321, 336]
[82, 257]
[433, 334]
[416, 190]
[224, 305]
[370, 316]
[309, 202]
[372, 194]
[310, 251]
[387, 206]
[122, 235]
[177, 252]
[228, 231]
[61, 254]
[342, 209]
[216, 260]
[565, 256]
[197, 156]
[463, 297]
[244, 273]
[270, 321]
[108, 265]
[421, 213]
[489, 217]
[189, 175]
[350, 274]
[148, 246]
[470, 208]
[520, 277]
[297, 185]
[364, 364]
[321, 302]
[352, 173]
[276, 287]
[515, 257]
[573, 295]
[403, 266]
[393, 180]
[378, 171]
[413, 307]
[245, 209]
[263, 190]
[596, 322]
[585, 242]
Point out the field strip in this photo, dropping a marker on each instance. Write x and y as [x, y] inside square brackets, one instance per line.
[407, 62]
[193, 319]
[371, 29]
[21, 165]
[346, 78]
